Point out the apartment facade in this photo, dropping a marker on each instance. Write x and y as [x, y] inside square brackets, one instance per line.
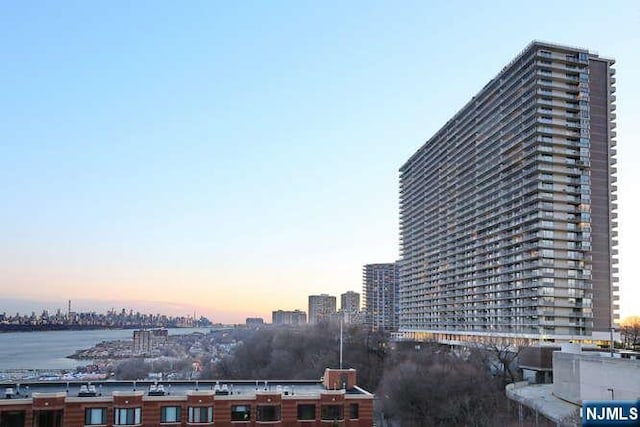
[147, 340]
[322, 308]
[336, 399]
[380, 288]
[508, 213]
[350, 307]
[288, 317]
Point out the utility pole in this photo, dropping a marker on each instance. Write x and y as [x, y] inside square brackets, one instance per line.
[341, 318]
[611, 346]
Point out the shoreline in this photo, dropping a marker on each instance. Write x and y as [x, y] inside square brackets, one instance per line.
[54, 328]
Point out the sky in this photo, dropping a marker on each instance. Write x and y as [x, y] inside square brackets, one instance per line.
[235, 157]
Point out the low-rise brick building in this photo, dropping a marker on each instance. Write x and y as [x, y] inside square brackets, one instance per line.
[334, 400]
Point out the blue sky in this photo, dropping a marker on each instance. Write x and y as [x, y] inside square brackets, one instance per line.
[236, 157]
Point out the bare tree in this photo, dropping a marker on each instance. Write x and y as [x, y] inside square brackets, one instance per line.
[501, 356]
[436, 387]
[132, 369]
[630, 330]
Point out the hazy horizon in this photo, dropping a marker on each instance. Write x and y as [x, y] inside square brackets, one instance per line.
[236, 158]
[27, 306]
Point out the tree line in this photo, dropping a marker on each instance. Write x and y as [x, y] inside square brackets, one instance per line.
[416, 384]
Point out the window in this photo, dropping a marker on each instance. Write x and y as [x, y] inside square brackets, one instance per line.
[240, 413]
[268, 413]
[95, 416]
[547, 291]
[127, 416]
[201, 414]
[47, 418]
[307, 412]
[13, 418]
[170, 414]
[548, 234]
[331, 412]
[354, 412]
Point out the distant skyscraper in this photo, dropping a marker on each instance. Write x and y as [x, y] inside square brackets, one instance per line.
[254, 322]
[507, 214]
[380, 288]
[350, 306]
[289, 318]
[322, 308]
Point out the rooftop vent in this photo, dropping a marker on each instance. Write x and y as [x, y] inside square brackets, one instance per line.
[9, 393]
[87, 390]
[157, 390]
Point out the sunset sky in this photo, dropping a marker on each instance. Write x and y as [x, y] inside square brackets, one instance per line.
[234, 157]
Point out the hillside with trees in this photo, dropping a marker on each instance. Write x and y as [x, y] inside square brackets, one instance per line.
[416, 385]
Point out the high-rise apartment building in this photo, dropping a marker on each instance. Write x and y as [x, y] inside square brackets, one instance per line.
[322, 308]
[350, 306]
[147, 340]
[380, 289]
[508, 213]
[288, 318]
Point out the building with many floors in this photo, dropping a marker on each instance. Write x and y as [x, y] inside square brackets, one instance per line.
[508, 213]
[336, 399]
[146, 340]
[322, 308]
[288, 317]
[254, 322]
[350, 307]
[380, 290]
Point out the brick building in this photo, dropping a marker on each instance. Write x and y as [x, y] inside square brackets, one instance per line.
[336, 398]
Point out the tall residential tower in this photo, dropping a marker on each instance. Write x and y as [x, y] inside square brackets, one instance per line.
[507, 214]
[380, 290]
[350, 307]
[322, 308]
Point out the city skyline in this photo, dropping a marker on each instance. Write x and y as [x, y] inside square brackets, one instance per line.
[236, 160]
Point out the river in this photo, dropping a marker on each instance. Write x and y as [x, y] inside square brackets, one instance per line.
[49, 349]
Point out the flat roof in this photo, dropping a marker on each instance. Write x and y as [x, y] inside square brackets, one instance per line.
[249, 389]
[540, 398]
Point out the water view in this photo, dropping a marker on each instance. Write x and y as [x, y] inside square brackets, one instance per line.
[49, 349]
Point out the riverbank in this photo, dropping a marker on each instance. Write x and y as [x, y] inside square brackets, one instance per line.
[9, 328]
[49, 349]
